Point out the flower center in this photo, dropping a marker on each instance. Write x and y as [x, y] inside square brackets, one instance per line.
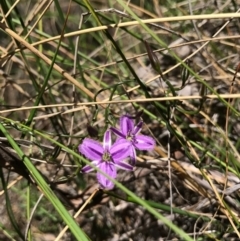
[130, 136]
[106, 156]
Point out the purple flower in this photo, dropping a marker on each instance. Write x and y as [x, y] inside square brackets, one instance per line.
[106, 157]
[130, 134]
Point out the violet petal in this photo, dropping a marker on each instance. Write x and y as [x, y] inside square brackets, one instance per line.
[124, 166]
[107, 140]
[120, 141]
[88, 168]
[133, 156]
[137, 128]
[120, 150]
[117, 132]
[91, 149]
[109, 169]
[142, 142]
[126, 124]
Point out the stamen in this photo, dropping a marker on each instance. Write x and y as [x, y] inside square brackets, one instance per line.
[129, 136]
[106, 156]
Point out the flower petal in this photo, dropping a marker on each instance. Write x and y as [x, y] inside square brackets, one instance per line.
[107, 140]
[126, 124]
[142, 142]
[91, 149]
[87, 168]
[120, 150]
[117, 132]
[124, 166]
[137, 128]
[109, 169]
[133, 156]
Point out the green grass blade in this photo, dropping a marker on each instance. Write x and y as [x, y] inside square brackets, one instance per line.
[77, 232]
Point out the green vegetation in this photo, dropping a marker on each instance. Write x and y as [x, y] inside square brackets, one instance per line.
[69, 70]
